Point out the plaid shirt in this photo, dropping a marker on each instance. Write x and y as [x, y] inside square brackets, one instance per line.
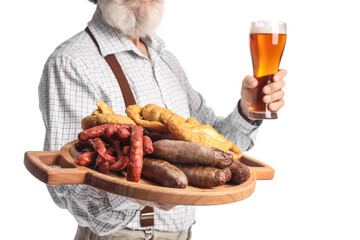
[76, 76]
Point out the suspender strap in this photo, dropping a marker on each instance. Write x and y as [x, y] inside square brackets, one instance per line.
[147, 217]
[147, 214]
[120, 76]
[92, 37]
[118, 72]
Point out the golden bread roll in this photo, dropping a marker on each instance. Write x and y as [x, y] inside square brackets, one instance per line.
[160, 119]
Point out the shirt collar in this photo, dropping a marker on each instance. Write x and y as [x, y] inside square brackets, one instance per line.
[155, 42]
[112, 41]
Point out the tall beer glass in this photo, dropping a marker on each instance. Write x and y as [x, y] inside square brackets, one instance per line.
[267, 42]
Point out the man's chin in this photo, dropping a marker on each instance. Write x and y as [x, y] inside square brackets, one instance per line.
[136, 20]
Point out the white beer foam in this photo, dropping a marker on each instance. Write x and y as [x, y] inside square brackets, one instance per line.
[268, 27]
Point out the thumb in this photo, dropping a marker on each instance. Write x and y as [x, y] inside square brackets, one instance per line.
[249, 82]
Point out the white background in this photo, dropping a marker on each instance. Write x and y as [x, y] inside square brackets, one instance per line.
[313, 146]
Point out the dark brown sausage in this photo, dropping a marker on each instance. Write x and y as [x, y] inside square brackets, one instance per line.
[164, 173]
[204, 177]
[239, 172]
[81, 145]
[227, 173]
[156, 136]
[191, 153]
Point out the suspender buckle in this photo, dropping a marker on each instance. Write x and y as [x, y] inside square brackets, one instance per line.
[148, 233]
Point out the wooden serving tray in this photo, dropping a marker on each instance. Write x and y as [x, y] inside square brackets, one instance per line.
[39, 164]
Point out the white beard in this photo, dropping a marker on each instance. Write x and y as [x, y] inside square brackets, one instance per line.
[131, 17]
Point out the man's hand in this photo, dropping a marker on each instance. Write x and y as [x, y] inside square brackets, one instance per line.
[273, 92]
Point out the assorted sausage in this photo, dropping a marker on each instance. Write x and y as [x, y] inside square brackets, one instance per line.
[169, 162]
[124, 148]
[191, 153]
[164, 173]
[204, 177]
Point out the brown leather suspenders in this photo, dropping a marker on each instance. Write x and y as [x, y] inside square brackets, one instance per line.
[147, 214]
[118, 72]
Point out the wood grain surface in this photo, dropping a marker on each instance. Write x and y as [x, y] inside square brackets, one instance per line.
[59, 168]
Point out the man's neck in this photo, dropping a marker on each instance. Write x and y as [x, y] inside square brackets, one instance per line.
[135, 40]
[140, 45]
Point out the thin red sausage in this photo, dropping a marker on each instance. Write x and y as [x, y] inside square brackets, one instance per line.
[136, 154]
[123, 135]
[108, 158]
[86, 159]
[98, 145]
[122, 159]
[126, 150]
[148, 145]
[98, 131]
[104, 168]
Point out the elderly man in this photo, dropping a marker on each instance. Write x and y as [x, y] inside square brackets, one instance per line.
[78, 74]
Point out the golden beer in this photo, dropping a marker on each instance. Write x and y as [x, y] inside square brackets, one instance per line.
[267, 42]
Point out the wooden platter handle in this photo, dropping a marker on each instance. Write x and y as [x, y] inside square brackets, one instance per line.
[262, 171]
[39, 163]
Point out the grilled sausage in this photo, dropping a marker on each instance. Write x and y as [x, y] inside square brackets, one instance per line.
[239, 172]
[164, 173]
[204, 177]
[191, 153]
[227, 174]
[156, 136]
